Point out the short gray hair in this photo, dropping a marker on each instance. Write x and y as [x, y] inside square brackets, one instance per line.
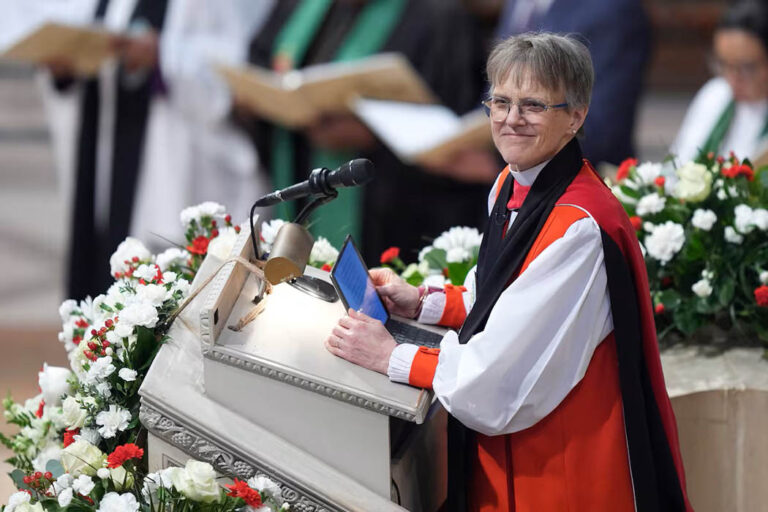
[556, 62]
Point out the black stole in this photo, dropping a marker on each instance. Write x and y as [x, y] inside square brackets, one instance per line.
[500, 258]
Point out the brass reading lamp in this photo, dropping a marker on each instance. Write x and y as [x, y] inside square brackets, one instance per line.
[293, 242]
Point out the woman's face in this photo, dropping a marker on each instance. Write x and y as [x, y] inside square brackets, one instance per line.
[741, 59]
[527, 140]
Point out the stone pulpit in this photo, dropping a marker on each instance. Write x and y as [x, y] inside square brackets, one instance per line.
[270, 399]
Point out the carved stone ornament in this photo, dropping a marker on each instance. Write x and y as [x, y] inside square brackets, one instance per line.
[226, 462]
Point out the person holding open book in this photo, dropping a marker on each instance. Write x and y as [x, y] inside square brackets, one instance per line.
[553, 380]
[439, 40]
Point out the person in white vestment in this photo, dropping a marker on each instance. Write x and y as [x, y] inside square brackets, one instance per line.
[730, 112]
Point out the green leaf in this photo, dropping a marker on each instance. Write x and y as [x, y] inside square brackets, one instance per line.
[726, 292]
[630, 192]
[686, 320]
[55, 468]
[17, 476]
[457, 272]
[436, 259]
[670, 298]
[146, 345]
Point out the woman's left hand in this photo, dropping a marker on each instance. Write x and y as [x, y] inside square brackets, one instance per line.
[362, 340]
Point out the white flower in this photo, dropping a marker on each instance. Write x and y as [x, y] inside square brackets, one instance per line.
[665, 241]
[66, 309]
[103, 473]
[743, 221]
[695, 182]
[142, 314]
[17, 499]
[323, 252]
[436, 280]
[170, 257]
[63, 482]
[100, 369]
[126, 251]
[113, 420]
[263, 484]
[196, 481]
[65, 497]
[732, 236]
[707, 274]
[703, 219]
[649, 227]
[53, 382]
[51, 451]
[28, 507]
[651, 203]
[83, 485]
[616, 189]
[114, 502]
[648, 172]
[269, 232]
[457, 255]
[760, 218]
[82, 458]
[153, 294]
[153, 481]
[223, 244]
[145, 272]
[702, 288]
[764, 277]
[127, 374]
[459, 236]
[722, 195]
[196, 213]
[121, 478]
[74, 415]
[90, 435]
[103, 389]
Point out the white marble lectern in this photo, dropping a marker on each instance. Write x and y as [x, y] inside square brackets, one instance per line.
[271, 400]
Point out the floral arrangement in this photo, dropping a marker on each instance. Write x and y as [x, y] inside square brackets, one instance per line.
[703, 228]
[448, 259]
[78, 447]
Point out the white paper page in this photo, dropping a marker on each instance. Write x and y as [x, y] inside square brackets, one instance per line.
[408, 128]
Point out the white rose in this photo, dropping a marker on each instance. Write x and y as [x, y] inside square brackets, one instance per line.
[457, 255]
[103, 473]
[114, 502]
[197, 481]
[65, 497]
[651, 203]
[126, 251]
[170, 257]
[648, 172]
[743, 221]
[82, 458]
[665, 241]
[732, 236]
[153, 294]
[83, 485]
[695, 182]
[53, 382]
[223, 244]
[27, 507]
[704, 219]
[121, 478]
[702, 288]
[323, 252]
[113, 420]
[74, 415]
[127, 374]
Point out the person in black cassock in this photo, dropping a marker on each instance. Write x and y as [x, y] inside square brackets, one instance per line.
[439, 39]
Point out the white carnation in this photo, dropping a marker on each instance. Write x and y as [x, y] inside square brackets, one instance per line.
[66, 309]
[722, 195]
[435, 280]
[53, 382]
[702, 288]
[651, 203]
[269, 232]
[665, 241]
[743, 221]
[323, 252]
[704, 219]
[648, 172]
[153, 294]
[65, 497]
[196, 213]
[90, 435]
[17, 499]
[732, 236]
[113, 420]
[145, 272]
[142, 314]
[264, 485]
[760, 218]
[114, 502]
[222, 245]
[127, 374]
[170, 257]
[83, 485]
[459, 236]
[99, 371]
[457, 255]
[126, 251]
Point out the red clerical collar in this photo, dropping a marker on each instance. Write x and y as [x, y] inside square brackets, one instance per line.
[518, 196]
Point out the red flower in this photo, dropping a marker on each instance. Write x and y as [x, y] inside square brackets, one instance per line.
[761, 296]
[624, 168]
[124, 453]
[390, 254]
[659, 309]
[81, 323]
[737, 170]
[199, 245]
[69, 436]
[228, 219]
[237, 229]
[40, 408]
[659, 181]
[326, 267]
[242, 490]
[636, 222]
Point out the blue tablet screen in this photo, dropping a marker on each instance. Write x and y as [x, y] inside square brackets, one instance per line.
[354, 283]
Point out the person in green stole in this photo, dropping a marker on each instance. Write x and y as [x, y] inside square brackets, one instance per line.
[730, 112]
[440, 40]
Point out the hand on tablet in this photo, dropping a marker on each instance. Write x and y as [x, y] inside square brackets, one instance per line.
[362, 340]
[399, 297]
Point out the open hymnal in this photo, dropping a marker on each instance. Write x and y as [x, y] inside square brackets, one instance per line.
[299, 97]
[84, 47]
[423, 134]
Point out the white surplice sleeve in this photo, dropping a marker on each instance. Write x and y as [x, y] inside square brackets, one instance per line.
[537, 342]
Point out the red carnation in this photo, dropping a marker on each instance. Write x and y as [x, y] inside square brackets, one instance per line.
[69, 436]
[40, 407]
[124, 453]
[81, 323]
[624, 168]
[761, 296]
[736, 170]
[390, 254]
[199, 245]
[637, 222]
[659, 181]
[242, 490]
[326, 267]
[659, 309]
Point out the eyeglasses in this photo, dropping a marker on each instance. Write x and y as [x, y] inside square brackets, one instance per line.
[746, 69]
[498, 108]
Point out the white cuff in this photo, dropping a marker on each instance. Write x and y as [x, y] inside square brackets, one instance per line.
[400, 362]
[432, 309]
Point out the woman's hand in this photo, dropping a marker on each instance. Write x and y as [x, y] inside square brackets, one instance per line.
[362, 340]
[138, 52]
[400, 297]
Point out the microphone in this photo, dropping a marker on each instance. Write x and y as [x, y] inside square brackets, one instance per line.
[323, 181]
